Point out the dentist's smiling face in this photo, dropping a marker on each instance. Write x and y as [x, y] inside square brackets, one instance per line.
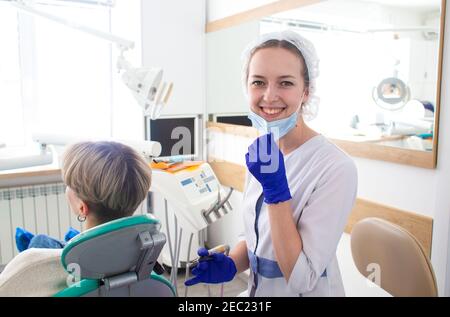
[275, 84]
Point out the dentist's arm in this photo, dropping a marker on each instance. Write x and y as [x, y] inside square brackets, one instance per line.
[266, 163]
[240, 256]
[286, 240]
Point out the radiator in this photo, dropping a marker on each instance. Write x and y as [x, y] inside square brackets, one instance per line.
[41, 209]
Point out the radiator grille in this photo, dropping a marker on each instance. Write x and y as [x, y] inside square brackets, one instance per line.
[39, 209]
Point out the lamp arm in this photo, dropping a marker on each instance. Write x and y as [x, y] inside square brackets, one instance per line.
[25, 7]
[144, 84]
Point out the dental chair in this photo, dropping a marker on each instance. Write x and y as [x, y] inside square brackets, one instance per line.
[118, 258]
[405, 269]
[33, 272]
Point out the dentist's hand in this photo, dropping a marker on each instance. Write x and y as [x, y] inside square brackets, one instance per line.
[220, 268]
[266, 163]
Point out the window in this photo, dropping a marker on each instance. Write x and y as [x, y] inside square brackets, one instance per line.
[54, 79]
[73, 74]
[11, 111]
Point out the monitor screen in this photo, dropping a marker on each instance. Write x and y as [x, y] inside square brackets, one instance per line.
[176, 135]
[239, 120]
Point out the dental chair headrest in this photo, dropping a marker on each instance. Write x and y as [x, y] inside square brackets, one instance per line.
[123, 245]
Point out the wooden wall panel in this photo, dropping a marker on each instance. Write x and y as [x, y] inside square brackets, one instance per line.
[233, 175]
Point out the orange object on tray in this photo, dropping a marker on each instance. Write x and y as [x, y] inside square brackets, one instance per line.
[175, 167]
[159, 165]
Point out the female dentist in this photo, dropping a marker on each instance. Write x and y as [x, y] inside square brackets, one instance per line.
[300, 188]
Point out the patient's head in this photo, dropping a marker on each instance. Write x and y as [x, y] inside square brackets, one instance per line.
[105, 180]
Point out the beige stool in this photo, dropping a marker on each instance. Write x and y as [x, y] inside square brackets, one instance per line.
[405, 269]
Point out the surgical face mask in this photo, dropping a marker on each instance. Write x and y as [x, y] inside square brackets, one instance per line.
[279, 128]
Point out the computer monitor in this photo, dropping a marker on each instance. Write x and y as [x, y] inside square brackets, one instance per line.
[178, 135]
[238, 119]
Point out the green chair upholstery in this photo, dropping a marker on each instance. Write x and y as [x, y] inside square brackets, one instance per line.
[118, 258]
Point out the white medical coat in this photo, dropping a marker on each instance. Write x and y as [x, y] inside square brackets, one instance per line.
[323, 184]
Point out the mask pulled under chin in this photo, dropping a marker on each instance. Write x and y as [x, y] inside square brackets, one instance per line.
[279, 128]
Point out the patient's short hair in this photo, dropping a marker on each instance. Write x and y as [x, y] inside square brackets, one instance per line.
[110, 177]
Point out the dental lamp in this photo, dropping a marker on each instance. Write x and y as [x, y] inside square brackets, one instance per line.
[145, 83]
[19, 159]
[146, 87]
[148, 149]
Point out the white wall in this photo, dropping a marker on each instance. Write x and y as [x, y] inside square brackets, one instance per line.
[223, 68]
[409, 188]
[173, 38]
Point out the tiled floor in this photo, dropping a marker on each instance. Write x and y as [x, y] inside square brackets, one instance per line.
[230, 289]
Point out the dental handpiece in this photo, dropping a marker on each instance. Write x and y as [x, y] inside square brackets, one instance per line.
[223, 248]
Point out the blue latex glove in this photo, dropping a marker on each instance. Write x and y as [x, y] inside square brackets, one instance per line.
[23, 238]
[71, 233]
[220, 268]
[266, 163]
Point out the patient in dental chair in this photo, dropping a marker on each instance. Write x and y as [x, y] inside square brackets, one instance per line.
[105, 181]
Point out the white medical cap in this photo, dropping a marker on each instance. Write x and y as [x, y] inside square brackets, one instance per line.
[306, 49]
